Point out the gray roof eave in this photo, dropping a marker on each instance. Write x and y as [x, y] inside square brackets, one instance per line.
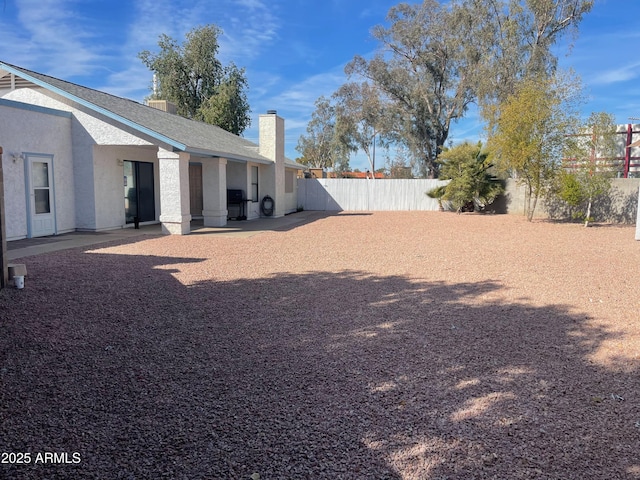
[292, 164]
[162, 138]
[238, 149]
[210, 153]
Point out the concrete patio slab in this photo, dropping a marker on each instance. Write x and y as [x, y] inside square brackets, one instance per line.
[37, 246]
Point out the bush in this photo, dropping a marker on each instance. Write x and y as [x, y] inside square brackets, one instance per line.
[471, 183]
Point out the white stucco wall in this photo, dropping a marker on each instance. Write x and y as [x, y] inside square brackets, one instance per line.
[99, 128]
[26, 131]
[237, 175]
[638, 218]
[96, 207]
[291, 198]
[97, 145]
[109, 182]
[271, 134]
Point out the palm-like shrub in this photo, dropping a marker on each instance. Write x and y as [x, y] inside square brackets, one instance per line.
[472, 184]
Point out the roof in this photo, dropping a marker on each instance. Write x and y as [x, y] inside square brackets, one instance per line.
[182, 134]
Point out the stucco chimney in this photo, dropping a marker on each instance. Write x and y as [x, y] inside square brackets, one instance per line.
[271, 146]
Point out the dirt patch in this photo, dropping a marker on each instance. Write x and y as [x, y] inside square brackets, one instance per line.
[411, 345]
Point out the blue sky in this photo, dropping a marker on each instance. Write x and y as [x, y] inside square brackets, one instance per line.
[294, 51]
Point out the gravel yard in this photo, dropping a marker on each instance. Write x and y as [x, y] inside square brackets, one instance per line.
[393, 345]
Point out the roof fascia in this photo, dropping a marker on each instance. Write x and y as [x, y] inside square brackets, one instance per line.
[34, 108]
[241, 158]
[95, 108]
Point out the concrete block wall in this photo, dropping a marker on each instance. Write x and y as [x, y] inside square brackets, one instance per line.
[621, 206]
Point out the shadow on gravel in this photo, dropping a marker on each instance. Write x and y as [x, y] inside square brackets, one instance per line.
[321, 375]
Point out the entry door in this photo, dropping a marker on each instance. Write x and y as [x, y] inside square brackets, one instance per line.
[139, 196]
[42, 216]
[195, 189]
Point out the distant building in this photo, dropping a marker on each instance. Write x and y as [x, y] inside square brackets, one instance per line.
[626, 164]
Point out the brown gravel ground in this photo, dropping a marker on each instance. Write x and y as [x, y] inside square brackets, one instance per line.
[412, 345]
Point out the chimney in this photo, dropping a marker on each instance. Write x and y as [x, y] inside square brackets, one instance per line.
[164, 105]
[271, 131]
[271, 146]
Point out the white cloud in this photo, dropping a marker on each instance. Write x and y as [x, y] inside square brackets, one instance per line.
[250, 27]
[131, 78]
[617, 75]
[301, 96]
[49, 32]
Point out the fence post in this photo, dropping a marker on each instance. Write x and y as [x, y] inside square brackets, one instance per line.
[4, 264]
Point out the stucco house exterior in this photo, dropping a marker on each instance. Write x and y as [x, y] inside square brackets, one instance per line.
[80, 159]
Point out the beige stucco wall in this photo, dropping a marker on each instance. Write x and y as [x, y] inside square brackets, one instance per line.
[620, 207]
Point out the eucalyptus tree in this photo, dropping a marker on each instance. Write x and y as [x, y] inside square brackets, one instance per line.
[360, 119]
[322, 147]
[517, 39]
[191, 76]
[436, 58]
[426, 66]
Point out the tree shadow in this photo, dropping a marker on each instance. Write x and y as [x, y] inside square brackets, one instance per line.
[314, 375]
[618, 206]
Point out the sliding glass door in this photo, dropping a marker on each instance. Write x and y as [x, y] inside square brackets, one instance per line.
[139, 196]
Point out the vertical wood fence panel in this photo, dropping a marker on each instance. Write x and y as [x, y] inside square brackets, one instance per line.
[358, 195]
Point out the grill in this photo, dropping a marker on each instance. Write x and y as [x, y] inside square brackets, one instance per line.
[236, 199]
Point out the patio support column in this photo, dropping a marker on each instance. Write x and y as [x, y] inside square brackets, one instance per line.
[214, 192]
[175, 213]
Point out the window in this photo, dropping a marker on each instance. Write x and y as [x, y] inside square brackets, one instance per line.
[254, 184]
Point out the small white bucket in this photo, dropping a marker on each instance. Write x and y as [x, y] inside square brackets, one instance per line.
[18, 281]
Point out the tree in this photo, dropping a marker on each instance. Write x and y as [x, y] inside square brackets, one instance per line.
[229, 107]
[321, 147]
[530, 134]
[426, 68]
[472, 184]
[191, 76]
[517, 39]
[588, 175]
[360, 119]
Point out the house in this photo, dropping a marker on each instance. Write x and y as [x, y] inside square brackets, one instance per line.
[363, 175]
[320, 173]
[80, 159]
